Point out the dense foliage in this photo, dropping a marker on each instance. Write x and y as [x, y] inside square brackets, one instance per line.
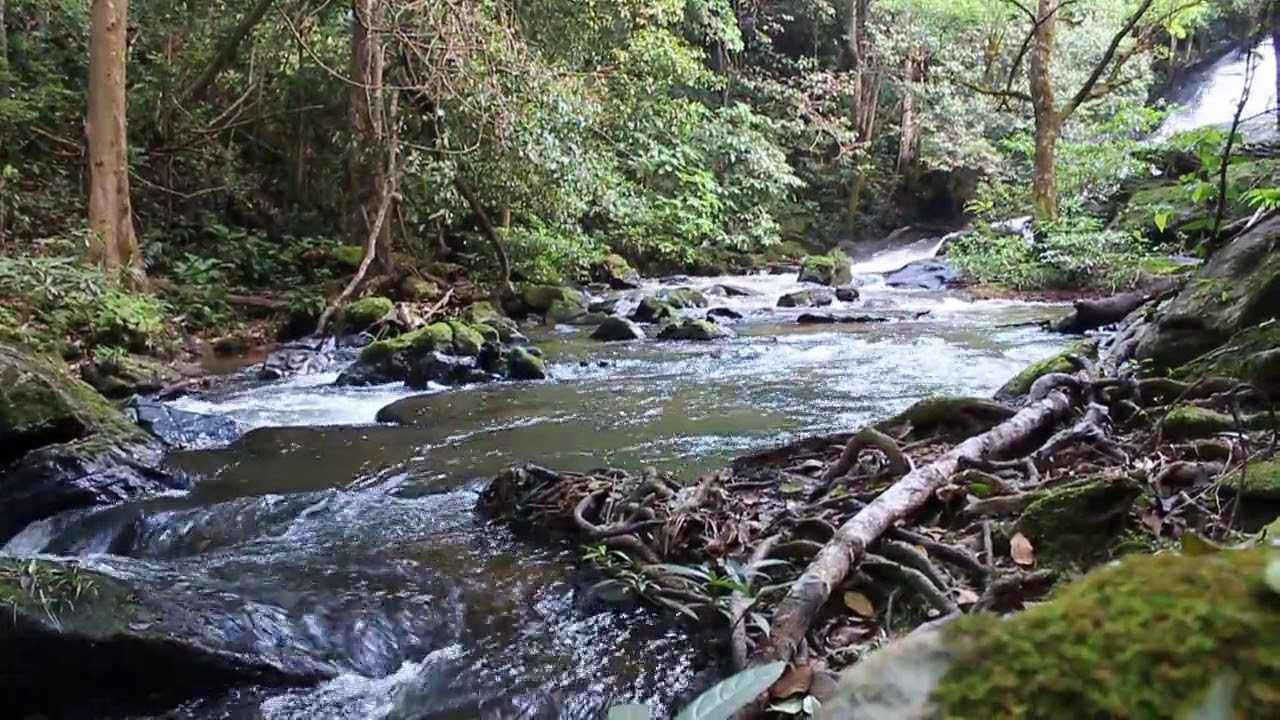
[682, 134]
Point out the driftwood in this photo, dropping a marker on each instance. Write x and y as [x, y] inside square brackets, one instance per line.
[846, 549]
[1092, 314]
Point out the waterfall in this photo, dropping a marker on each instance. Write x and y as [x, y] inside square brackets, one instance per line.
[1216, 93]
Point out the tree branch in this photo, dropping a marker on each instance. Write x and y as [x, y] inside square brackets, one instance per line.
[1086, 89]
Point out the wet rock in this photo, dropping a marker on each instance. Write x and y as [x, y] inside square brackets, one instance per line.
[392, 360]
[618, 330]
[828, 319]
[303, 357]
[564, 311]
[118, 378]
[607, 306]
[702, 330]
[783, 269]
[540, 298]
[930, 274]
[617, 273]
[724, 313]
[817, 297]
[684, 298]
[847, 293]
[590, 319]
[467, 340]
[735, 290]
[652, 310]
[522, 364]
[830, 269]
[1019, 385]
[443, 369]
[180, 428]
[135, 636]
[62, 446]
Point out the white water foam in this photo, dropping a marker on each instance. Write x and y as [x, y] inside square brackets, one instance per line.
[354, 697]
[1218, 96]
[303, 400]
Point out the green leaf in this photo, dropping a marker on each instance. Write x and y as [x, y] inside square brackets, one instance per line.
[791, 488]
[733, 694]
[629, 712]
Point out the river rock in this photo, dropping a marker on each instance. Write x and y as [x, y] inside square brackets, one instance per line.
[694, 330]
[618, 330]
[684, 298]
[847, 293]
[931, 274]
[723, 313]
[439, 368]
[182, 429]
[62, 446]
[829, 319]
[539, 299]
[830, 269]
[617, 273]
[365, 313]
[444, 353]
[133, 636]
[523, 364]
[119, 378]
[302, 357]
[733, 290]
[816, 297]
[652, 310]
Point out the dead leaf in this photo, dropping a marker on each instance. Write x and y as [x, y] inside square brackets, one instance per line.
[795, 681]
[859, 603]
[1021, 550]
[965, 596]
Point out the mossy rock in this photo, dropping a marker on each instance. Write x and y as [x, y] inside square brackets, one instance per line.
[652, 310]
[789, 250]
[467, 340]
[1232, 295]
[1187, 422]
[1078, 521]
[42, 404]
[347, 257]
[1147, 638]
[614, 270]
[415, 289]
[1251, 355]
[1021, 383]
[540, 298]
[432, 337]
[701, 330]
[129, 375]
[684, 298]
[482, 312]
[524, 364]
[488, 332]
[564, 311]
[366, 312]
[1261, 481]
[830, 269]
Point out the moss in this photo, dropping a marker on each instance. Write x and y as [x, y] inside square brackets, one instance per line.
[431, 337]
[651, 309]
[414, 288]
[42, 403]
[488, 332]
[523, 364]
[830, 269]
[1144, 638]
[784, 251]
[1021, 383]
[466, 339]
[346, 256]
[364, 312]
[1161, 265]
[1185, 422]
[563, 311]
[1080, 520]
[540, 298]
[1261, 480]
[1245, 356]
[483, 312]
[683, 298]
[694, 330]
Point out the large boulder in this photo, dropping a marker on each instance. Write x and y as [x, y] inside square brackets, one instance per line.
[1234, 293]
[120, 377]
[365, 313]
[540, 298]
[816, 297]
[62, 446]
[617, 273]
[1156, 636]
[391, 360]
[134, 637]
[1065, 361]
[931, 274]
[684, 298]
[302, 357]
[652, 310]
[617, 330]
[830, 269]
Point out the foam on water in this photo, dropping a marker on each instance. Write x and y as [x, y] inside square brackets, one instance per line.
[299, 401]
[1218, 94]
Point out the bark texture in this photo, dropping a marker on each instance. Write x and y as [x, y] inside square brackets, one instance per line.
[113, 243]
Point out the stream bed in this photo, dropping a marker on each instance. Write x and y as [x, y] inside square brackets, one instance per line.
[362, 538]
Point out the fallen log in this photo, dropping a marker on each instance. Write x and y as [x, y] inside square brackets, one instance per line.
[1092, 314]
[846, 549]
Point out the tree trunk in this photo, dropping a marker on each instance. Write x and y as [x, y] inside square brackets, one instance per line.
[855, 37]
[846, 548]
[1047, 120]
[487, 229]
[113, 244]
[227, 51]
[4, 54]
[367, 125]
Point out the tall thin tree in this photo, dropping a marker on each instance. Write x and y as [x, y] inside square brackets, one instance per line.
[113, 242]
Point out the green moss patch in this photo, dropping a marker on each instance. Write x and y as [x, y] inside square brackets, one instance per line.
[1260, 480]
[432, 337]
[830, 269]
[365, 312]
[1021, 383]
[1080, 520]
[466, 339]
[1144, 639]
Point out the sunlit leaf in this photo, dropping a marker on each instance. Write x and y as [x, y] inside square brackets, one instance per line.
[729, 696]
[1021, 550]
[859, 603]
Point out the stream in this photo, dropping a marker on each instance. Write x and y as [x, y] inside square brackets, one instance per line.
[364, 536]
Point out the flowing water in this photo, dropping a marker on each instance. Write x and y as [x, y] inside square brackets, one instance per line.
[362, 536]
[1213, 97]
